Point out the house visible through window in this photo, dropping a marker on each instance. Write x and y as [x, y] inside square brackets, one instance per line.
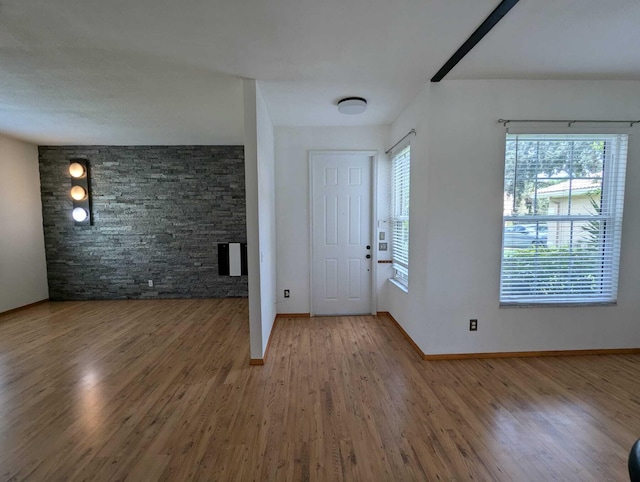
[562, 220]
[399, 209]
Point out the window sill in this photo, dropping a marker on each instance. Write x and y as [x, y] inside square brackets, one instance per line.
[558, 305]
[399, 285]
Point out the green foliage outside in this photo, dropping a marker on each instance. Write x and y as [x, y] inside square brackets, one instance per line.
[559, 270]
[531, 164]
[540, 271]
[553, 271]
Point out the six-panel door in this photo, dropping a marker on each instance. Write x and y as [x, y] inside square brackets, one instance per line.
[342, 253]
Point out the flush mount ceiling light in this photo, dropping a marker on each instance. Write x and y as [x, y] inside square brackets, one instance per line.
[352, 105]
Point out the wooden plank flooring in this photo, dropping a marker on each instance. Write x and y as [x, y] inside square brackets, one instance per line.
[162, 390]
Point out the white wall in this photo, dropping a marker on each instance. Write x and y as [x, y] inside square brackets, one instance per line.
[23, 268]
[253, 232]
[266, 216]
[409, 308]
[260, 196]
[292, 202]
[456, 209]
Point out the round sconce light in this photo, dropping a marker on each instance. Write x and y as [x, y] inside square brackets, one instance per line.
[80, 214]
[78, 193]
[352, 105]
[76, 170]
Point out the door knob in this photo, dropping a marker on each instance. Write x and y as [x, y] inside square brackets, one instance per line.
[368, 256]
[368, 247]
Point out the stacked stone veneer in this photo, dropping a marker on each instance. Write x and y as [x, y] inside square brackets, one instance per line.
[158, 213]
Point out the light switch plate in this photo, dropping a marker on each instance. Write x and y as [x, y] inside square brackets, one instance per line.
[382, 246]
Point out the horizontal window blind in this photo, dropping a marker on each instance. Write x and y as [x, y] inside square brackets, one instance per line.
[400, 178]
[562, 218]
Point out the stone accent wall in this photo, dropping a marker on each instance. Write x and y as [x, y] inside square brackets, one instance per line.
[158, 213]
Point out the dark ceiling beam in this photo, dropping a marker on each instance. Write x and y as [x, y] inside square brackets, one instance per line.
[490, 22]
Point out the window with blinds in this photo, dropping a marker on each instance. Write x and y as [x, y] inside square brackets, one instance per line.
[399, 209]
[562, 220]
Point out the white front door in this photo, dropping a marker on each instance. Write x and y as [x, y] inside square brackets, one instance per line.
[341, 233]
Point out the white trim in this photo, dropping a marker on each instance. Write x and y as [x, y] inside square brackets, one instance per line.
[399, 285]
[517, 291]
[374, 233]
[310, 178]
[397, 174]
[373, 157]
[558, 305]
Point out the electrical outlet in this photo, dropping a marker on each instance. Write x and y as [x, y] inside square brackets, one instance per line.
[150, 283]
[473, 325]
[286, 293]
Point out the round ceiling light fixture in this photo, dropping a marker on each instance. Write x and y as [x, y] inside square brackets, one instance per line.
[352, 105]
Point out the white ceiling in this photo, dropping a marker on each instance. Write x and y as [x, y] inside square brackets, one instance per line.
[560, 39]
[168, 72]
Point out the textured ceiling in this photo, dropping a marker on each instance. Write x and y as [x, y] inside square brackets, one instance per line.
[166, 72]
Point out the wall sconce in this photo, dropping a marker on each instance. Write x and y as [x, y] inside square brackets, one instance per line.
[79, 171]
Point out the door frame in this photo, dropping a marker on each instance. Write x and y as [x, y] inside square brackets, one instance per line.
[373, 159]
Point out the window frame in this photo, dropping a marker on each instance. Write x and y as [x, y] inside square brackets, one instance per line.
[612, 189]
[399, 266]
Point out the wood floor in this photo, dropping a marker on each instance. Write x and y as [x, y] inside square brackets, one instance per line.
[162, 390]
